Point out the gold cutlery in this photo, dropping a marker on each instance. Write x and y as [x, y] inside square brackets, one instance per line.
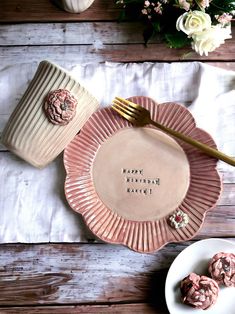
[140, 116]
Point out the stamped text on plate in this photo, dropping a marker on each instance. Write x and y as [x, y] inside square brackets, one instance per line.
[140, 184]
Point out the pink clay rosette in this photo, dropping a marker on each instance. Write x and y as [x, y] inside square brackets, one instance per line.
[200, 292]
[222, 269]
[60, 106]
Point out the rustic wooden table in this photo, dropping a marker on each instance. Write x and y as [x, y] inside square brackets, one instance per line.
[91, 277]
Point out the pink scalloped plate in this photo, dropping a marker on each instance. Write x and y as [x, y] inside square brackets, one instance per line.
[138, 186]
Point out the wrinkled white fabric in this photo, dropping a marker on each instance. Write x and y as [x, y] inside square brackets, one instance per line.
[32, 202]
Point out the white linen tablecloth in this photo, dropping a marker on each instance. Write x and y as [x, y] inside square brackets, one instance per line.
[32, 202]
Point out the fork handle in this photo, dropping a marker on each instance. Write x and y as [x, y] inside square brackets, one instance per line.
[203, 147]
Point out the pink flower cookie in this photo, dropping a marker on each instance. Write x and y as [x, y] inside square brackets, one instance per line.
[60, 106]
[200, 292]
[222, 269]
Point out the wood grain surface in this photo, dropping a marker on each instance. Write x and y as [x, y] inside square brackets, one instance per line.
[88, 276]
[100, 37]
[137, 308]
[47, 10]
[83, 274]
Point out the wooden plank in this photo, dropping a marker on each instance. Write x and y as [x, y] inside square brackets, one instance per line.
[116, 53]
[44, 10]
[138, 308]
[159, 52]
[218, 222]
[72, 54]
[87, 33]
[227, 195]
[67, 273]
[92, 33]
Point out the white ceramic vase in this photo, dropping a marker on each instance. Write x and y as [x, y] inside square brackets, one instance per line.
[75, 6]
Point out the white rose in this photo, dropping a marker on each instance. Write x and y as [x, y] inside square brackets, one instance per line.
[193, 21]
[210, 39]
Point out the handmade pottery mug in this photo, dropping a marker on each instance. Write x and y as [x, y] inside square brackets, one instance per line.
[51, 112]
[74, 6]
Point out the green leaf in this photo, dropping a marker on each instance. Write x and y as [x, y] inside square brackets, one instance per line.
[221, 6]
[156, 26]
[122, 16]
[176, 39]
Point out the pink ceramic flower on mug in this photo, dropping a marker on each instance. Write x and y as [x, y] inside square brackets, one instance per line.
[222, 269]
[60, 106]
[200, 292]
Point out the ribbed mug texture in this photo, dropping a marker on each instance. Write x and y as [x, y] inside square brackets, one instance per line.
[28, 132]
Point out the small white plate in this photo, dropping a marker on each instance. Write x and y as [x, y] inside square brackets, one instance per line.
[195, 258]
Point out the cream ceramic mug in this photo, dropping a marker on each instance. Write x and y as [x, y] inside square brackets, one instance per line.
[51, 112]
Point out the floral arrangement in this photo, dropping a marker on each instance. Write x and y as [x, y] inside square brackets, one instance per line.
[205, 24]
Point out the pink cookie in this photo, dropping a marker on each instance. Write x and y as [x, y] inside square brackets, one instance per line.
[222, 269]
[200, 292]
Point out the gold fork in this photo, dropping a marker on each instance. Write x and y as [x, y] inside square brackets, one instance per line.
[140, 116]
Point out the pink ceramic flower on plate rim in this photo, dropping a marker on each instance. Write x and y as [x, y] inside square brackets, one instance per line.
[142, 236]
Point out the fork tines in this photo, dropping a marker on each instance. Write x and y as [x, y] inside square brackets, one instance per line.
[125, 108]
[126, 105]
[127, 102]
